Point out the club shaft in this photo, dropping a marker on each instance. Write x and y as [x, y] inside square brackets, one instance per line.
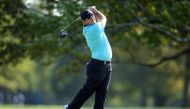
[71, 23]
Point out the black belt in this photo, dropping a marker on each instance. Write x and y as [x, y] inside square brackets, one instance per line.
[100, 61]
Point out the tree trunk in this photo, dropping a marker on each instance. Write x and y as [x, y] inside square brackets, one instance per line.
[159, 99]
[143, 97]
[186, 82]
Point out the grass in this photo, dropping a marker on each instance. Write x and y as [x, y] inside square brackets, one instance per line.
[61, 107]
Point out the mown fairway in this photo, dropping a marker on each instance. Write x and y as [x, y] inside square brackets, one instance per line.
[61, 107]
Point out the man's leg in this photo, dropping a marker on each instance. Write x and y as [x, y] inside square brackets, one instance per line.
[84, 93]
[101, 92]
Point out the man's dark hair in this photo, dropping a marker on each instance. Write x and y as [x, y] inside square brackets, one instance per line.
[87, 14]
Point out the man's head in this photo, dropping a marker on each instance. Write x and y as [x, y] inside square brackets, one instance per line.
[87, 17]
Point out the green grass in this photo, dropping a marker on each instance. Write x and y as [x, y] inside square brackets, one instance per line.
[61, 107]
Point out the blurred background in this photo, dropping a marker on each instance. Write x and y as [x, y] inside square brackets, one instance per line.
[150, 40]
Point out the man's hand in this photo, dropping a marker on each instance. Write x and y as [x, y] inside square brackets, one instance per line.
[100, 17]
[91, 7]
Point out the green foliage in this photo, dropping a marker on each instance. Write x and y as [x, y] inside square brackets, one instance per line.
[19, 77]
[31, 52]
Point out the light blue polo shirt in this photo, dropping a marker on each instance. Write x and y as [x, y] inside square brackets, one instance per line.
[97, 42]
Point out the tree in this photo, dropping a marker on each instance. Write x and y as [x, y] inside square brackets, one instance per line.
[142, 32]
[163, 25]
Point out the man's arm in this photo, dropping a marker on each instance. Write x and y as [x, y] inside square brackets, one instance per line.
[100, 17]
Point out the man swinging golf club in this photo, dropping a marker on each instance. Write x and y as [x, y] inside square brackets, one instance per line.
[99, 67]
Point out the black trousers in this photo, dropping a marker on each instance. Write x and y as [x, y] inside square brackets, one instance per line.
[98, 77]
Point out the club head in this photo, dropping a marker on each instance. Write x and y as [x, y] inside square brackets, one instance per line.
[62, 34]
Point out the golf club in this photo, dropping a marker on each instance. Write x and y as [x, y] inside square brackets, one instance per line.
[63, 32]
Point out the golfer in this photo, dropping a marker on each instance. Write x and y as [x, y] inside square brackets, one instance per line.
[99, 67]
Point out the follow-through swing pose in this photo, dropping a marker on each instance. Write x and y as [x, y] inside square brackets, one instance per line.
[99, 67]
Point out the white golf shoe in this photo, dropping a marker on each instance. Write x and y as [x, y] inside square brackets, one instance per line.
[65, 106]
